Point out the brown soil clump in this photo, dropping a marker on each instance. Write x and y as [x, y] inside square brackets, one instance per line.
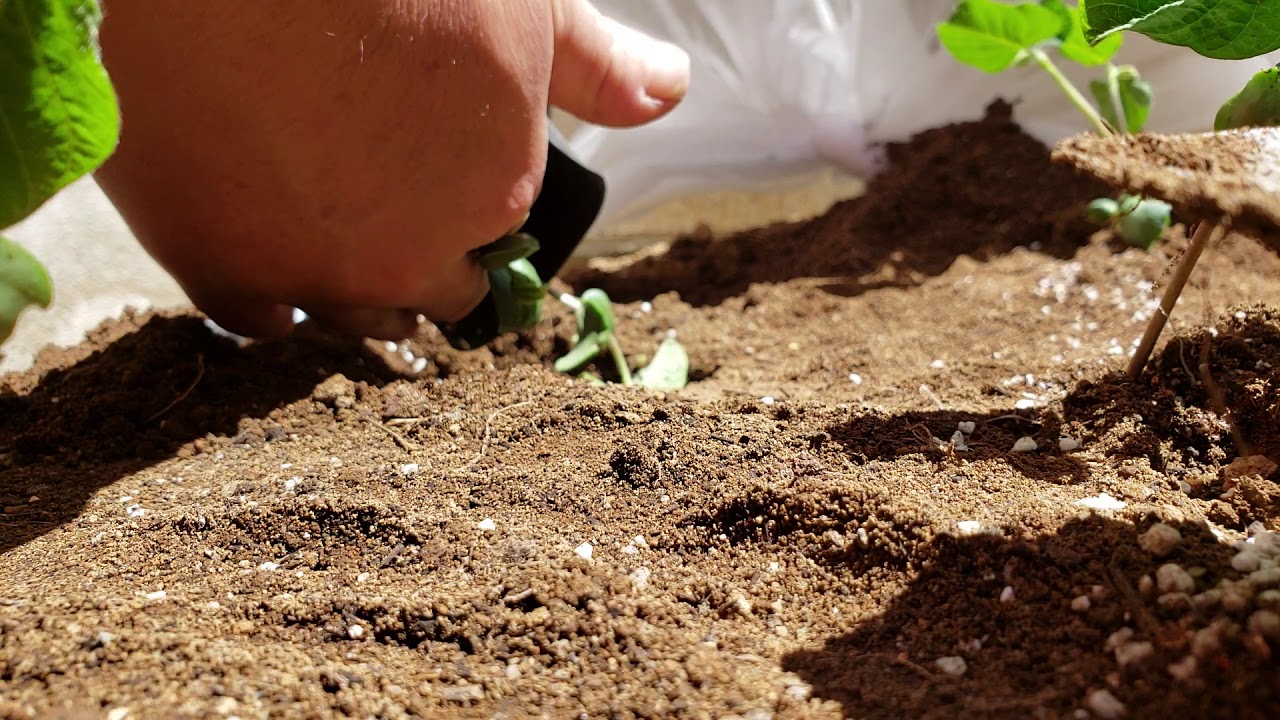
[842, 517]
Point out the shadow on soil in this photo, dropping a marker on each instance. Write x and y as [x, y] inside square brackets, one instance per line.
[1038, 657]
[877, 436]
[141, 399]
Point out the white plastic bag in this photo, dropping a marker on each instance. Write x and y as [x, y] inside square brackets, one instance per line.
[783, 89]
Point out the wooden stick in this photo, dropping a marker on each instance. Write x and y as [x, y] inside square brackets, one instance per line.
[1171, 293]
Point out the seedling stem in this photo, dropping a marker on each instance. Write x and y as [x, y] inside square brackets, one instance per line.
[1073, 95]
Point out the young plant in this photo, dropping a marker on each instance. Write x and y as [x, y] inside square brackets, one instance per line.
[995, 37]
[60, 119]
[518, 294]
[595, 337]
[1219, 29]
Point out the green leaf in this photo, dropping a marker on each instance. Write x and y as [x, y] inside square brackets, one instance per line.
[1256, 105]
[588, 348]
[597, 313]
[1135, 98]
[1102, 210]
[23, 282]
[669, 369]
[1073, 45]
[59, 119]
[993, 36]
[517, 294]
[1222, 29]
[506, 250]
[1144, 225]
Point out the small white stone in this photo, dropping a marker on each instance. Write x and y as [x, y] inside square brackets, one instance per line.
[1160, 539]
[640, 578]
[1081, 603]
[1006, 595]
[1134, 652]
[1025, 404]
[1265, 623]
[855, 378]
[952, 665]
[419, 364]
[957, 442]
[1171, 578]
[1246, 561]
[1025, 444]
[1068, 444]
[269, 566]
[355, 632]
[767, 400]
[1102, 502]
[969, 527]
[119, 713]
[157, 595]
[640, 542]
[409, 469]
[362, 577]
[584, 551]
[1105, 705]
[967, 427]
[1184, 669]
[487, 524]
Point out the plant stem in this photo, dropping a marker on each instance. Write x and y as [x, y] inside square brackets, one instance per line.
[1113, 89]
[619, 359]
[1176, 283]
[1084, 106]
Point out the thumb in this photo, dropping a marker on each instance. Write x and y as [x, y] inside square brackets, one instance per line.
[609, 74]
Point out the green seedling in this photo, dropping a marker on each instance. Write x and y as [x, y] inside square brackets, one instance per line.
[595, 337]
[995, 37]
[61, 121]
[517, 290]
[1219, 29]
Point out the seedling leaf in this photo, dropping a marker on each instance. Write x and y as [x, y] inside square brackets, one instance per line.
[1074, 44]
[1222, 29]
[588, 348]
[1135, 98]
[1102, 210]
[1143, 226]
[506, 250]
[59, 118]
[23, 282]
[518, 293]
[596, 313]
[1256, 105]
[993, 36]
[669, 369]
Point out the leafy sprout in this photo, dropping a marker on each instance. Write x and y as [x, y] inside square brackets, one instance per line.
[61, 121]
[995, 37]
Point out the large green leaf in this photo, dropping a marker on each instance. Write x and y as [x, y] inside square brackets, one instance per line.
[1074, 45]
[994, 36]
[23, 282]
[59, 119]
[1256, 105]
[1222, 29]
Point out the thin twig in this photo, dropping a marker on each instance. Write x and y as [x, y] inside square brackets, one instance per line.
[401, 440]
[1170, 299]
[185, 393]
[488, 432]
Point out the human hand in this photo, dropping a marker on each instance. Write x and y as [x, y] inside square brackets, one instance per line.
[345, 156]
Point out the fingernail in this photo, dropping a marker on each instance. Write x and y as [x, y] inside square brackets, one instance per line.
[666, 66]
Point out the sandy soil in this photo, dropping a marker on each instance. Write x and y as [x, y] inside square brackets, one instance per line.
[311, 528]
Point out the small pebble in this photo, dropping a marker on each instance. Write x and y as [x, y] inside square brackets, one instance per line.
[584, 551]
[1184, 669]
[952, 665]
[1006, 595]
[409, 469]
[1105, 705]
[967, 427]
[119, 713]
[1025, 444]
[1080, 604]
[1134, 652]
[1171, 578]
[157, 595]
[487, 524]
[1068, 444]
[1160, 539]
[355, 632]
[362, 577]
[1265, 623]
[1246, 561]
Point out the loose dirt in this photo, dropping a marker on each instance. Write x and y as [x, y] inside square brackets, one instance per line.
[312, 528]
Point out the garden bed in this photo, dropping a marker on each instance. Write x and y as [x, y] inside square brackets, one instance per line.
[311, 527]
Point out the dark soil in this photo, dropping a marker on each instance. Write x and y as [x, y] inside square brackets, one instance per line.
[309, 528]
